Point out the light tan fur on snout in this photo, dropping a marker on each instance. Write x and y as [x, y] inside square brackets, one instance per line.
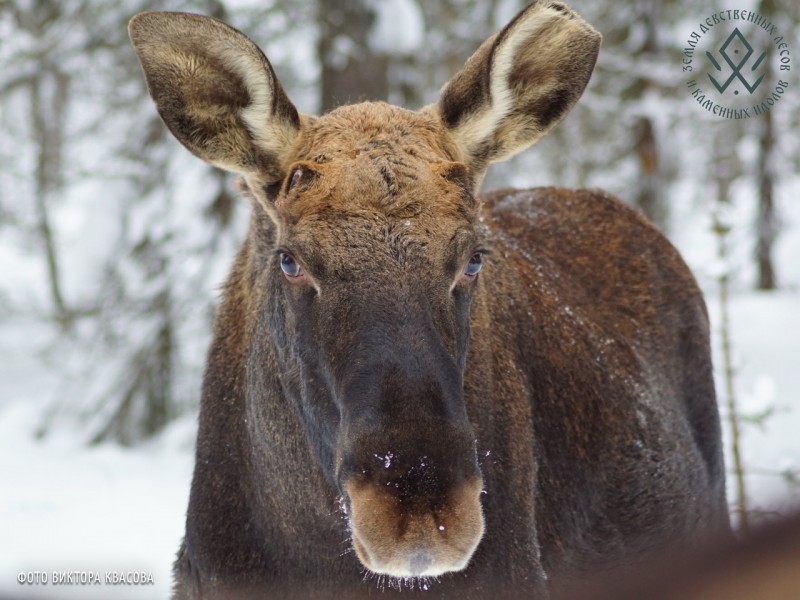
[414, 539]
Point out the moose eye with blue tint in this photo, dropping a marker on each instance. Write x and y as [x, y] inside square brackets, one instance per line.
[474, 265]
[289, 265]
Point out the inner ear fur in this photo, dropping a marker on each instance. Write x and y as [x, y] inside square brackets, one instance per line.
[216, 92]
[519, 84]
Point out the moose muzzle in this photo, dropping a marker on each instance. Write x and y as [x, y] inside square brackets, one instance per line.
[415, 511]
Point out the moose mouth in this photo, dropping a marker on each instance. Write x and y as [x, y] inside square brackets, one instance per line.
[415, 537]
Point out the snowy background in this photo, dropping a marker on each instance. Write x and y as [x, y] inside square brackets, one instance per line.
[101, 354]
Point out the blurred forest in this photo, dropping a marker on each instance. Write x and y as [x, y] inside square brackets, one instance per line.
[116, 240]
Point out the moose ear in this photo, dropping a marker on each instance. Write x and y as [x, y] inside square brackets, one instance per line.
[519, 84]
[216, 92]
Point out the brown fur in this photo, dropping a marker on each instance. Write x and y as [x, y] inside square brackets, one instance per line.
[557, 411]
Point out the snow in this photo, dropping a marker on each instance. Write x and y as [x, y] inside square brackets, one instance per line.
[105, 509]
[67, 507]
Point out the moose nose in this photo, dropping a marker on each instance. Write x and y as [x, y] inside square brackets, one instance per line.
[413, 518]
[392, 540]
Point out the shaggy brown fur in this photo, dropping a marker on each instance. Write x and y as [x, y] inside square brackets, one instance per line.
[375, 414]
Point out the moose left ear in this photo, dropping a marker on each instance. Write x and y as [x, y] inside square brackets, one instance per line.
[217, 92]
[519, 84]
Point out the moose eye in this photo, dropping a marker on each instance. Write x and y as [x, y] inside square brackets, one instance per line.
[474, 265]
[289, 266]
[297, 175]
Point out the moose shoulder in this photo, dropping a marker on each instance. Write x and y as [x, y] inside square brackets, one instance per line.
[414, 387]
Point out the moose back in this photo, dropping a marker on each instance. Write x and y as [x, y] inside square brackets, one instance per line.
[410, 386]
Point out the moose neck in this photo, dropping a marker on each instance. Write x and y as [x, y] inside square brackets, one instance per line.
[256, 475]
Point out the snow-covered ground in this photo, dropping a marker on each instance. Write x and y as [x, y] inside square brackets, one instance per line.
[66, 507]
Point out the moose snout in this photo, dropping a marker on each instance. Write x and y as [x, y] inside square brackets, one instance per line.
[400, 541]
[412, 515]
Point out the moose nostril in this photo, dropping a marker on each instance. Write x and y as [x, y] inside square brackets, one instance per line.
[419, 562]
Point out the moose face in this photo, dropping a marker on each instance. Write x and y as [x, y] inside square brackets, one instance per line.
[368, 248]
[371, 280]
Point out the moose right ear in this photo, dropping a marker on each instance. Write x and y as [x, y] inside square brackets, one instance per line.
[519, 84]
[216, 91]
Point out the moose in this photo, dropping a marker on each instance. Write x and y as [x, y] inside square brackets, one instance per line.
[416, 388]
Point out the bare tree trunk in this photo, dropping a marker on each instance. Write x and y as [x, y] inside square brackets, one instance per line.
[649, 196]
[49, 101]
[351, 72]
[766, 221]
[766, 224]
[734, 420]
[726, 169]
